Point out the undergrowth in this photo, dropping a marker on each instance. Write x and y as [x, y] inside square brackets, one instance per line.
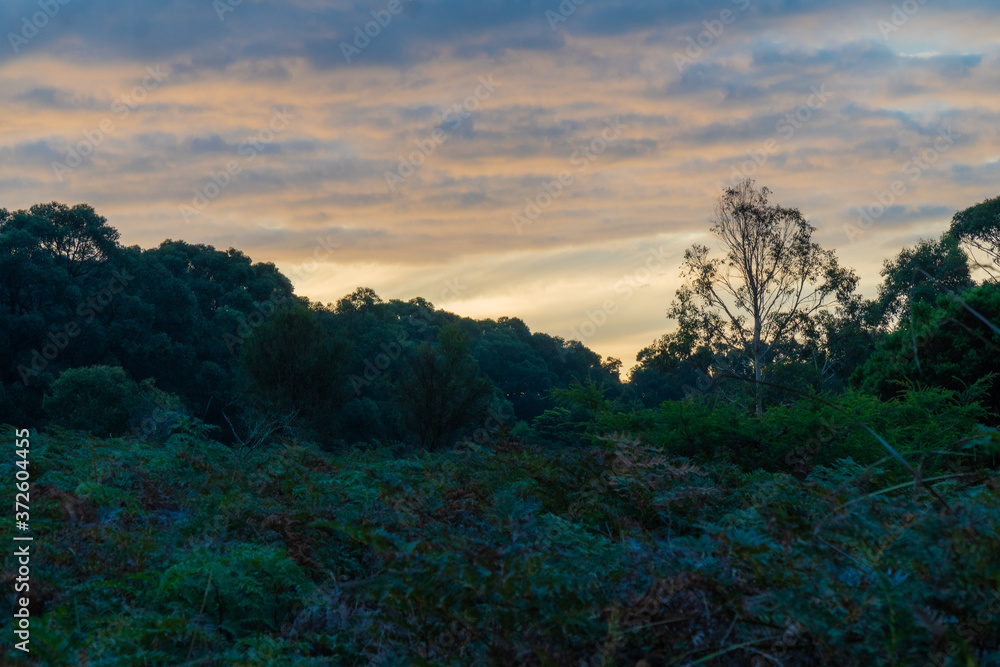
[618, 553]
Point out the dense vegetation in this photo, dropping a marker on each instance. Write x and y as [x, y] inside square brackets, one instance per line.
[226, 473]
[235, 345]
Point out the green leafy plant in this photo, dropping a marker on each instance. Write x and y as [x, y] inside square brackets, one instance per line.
[102, 400]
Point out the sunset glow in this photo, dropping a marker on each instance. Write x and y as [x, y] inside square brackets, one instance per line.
[409, 154]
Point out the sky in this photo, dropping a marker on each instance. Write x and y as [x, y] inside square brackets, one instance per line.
[526, 158]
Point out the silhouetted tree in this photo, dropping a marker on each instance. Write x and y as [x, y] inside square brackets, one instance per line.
[979, 227]
[442, 392]
[293, 366]
[919, 275]
[762, 293]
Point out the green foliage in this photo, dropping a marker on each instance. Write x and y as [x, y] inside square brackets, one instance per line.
[71, 297]
[242, 588]
[291, 365]
[946, 344]
[703, 431]
[172, 554]
[441, 392]
[102, 400]
[188, 314]
[979, 227]
[840, 341]
[506, 355]
[556, 426]
[930, 424]
[672, 368]
[919, 275]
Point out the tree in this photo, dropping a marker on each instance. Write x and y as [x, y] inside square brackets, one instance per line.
[359, 299]
[53, 266]
[612, 365]
[764, 291]
[442, 391]
[29, 278]
[505, 355]
[78, 237]
[672, 368]
[952, 343]
[842, 339]
[979, 227]
[293, 366]
[919, 275]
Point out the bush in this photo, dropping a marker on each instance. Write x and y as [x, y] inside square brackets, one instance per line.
[103, 401]
[512, 554]
[556, 427]
[242, 587]
[813, 433]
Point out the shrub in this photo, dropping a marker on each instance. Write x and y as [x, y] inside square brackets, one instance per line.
[813, 433]
[519, 554]
[239, 587]
[695, 429]
[556, 427]
[103, 401]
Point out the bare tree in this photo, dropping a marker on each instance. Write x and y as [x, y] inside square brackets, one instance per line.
[765, 288]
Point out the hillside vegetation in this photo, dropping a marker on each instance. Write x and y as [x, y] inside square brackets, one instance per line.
[223, 472]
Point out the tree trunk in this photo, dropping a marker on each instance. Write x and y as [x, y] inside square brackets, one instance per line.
[757, 386]
[756, 368]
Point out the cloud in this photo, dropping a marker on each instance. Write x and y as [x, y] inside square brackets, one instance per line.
[325, 172]
[212, 144]
[28, 153]
[47, 97]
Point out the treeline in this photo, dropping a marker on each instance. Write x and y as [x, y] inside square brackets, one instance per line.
[118, 340]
